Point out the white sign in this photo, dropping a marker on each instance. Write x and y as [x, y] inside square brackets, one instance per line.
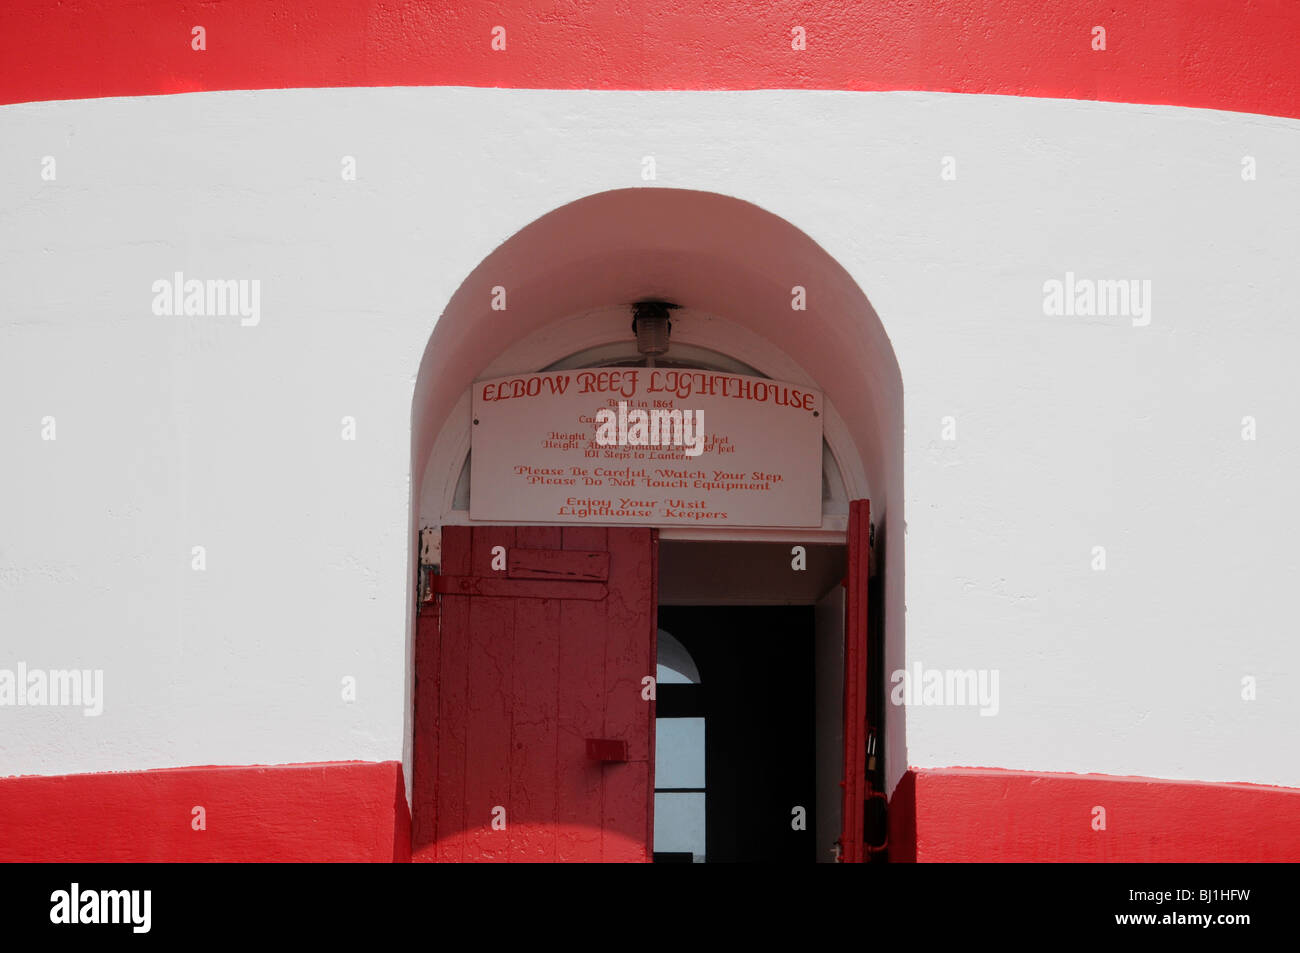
[659, 446]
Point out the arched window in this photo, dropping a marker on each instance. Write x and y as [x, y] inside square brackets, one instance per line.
[679, 756]
[676, 667]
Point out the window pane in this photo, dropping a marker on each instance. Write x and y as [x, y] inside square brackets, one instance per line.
[679, 752]
[670, 676]
[679, 823]
[676, 667]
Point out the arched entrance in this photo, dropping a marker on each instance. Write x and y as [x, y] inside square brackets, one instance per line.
[756, 297]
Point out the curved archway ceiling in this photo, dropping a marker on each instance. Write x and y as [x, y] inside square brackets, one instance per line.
[705, 251]
[1169, 52]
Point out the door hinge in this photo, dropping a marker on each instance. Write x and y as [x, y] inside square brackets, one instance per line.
[430, 546]
[430, 558]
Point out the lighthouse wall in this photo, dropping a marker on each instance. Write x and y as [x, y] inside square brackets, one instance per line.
[216, 513]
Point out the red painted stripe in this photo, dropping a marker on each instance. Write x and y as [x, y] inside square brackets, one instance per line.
[356, 811]
[343, 811]
[986, 814]
[1206, 53]
[902, 820]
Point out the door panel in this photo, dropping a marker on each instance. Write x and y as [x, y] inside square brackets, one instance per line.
[852, 838]
[514, 677]
[630, 655]
[534, 784]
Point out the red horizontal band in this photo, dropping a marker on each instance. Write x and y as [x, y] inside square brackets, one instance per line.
[1200, 53]
[340, 811]
[986, 814]
[357, 811]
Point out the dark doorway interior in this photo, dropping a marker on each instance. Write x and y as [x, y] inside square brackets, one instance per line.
[754, 689]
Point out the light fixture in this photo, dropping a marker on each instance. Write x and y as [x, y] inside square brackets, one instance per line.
[652, 328]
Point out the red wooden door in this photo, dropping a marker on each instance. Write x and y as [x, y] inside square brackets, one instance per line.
[853, 849]
[518, 671]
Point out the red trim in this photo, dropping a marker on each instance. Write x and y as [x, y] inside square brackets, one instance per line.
[902, 821]
[356, 811]
[652, 666]
[340, 811]
[1205, 53]
[401, 820]
[854, 781]
[424, 771]
[986, 814]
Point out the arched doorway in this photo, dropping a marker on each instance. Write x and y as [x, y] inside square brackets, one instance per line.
[556, 295]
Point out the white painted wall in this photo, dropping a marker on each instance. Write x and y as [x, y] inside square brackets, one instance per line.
[1072, 432]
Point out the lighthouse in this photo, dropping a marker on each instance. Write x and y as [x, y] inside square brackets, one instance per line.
[752, 431]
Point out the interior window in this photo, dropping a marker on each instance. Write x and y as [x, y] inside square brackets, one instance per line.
[679, 763]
